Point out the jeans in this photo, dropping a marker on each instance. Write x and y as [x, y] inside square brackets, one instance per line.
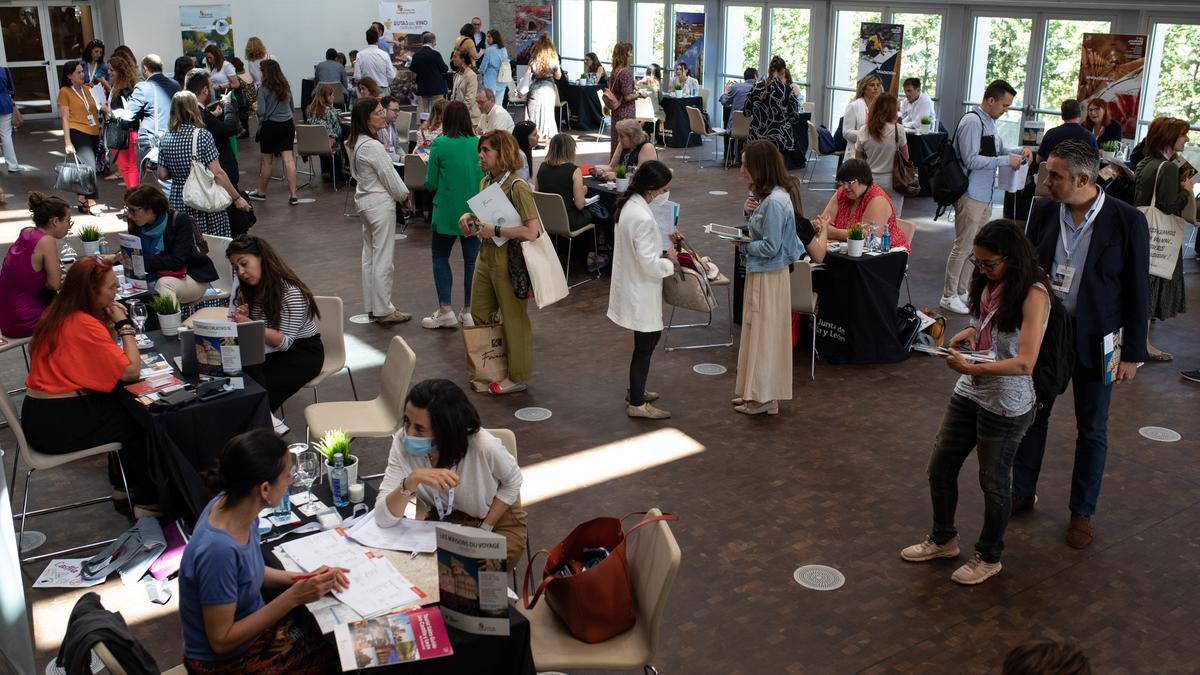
[639, 364]
[443, 276]
[968, 426]
[1092, 398]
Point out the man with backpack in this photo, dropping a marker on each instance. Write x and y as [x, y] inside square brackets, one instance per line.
[1095, 250]
[980, 152]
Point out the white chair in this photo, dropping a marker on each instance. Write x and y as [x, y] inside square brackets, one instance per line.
[643, 111]
[7, 343]
[332, 325]
[739, 131]
[654, 558]
[552, 211]
[704, 98]
[605, 120]
[804, 301]
[403, 127]
[809, 106]
[670, 325]
[814, 151]
[312, 140]
[216, 253]
[379, 417]
[38, 460]
[696, 127]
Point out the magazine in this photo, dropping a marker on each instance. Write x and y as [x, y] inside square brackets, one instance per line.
[217, 352]
[493, 208]
[155, 366]
[473, 578]
[967, 354]
[1110, 355]
[415, 635]
[135, 272]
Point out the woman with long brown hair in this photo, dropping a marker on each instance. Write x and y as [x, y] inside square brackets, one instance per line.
[432, 128]
[489, 65]
[878, 146]
[543, 94]
[622, 87]
[1100, 122]
[276, 130]
[221, 73]
[124, 79]
[764, 372]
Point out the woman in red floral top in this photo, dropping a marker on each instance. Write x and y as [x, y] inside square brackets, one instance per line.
[859, 200]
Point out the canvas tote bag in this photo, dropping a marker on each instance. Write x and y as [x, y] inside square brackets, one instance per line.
[1166, 235]
[546, 274]
[200, 190]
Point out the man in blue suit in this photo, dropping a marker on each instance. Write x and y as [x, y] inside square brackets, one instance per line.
[1096, 250]
[430, 70]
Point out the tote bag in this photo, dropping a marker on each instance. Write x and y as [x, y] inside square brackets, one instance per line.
[1166, 235]
[546, 276]
[200, 190]
[487, 356]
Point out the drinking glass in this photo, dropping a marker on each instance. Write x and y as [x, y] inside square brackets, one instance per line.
[138, 313]
[308, 467]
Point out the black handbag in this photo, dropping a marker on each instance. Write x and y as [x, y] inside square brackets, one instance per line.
[116, 134]
[908, 325]
[75, 176]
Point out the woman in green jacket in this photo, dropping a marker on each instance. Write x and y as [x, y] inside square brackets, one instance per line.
[453, 178]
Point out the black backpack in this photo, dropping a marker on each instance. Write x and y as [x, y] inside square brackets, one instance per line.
[1056, 357]
[947, 178]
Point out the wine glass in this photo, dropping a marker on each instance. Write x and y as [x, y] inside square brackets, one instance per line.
[139, 314]
[308, 467]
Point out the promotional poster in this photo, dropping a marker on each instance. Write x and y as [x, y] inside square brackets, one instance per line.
[689, 41]
[532, 21]
[1111, 68]
[204, 25]
[879, 50]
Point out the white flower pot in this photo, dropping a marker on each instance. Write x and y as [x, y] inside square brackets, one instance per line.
[169, 323]
[1107, 154]
[854, 247]
[622, 184]
[924, 128]
[91, 247]
[351, 469]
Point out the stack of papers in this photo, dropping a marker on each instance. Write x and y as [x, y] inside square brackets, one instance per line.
[416, 536]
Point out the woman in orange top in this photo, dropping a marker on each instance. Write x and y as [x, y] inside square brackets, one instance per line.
[81, 121]
[75, 364]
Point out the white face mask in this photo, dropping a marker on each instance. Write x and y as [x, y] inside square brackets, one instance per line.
[661, 198]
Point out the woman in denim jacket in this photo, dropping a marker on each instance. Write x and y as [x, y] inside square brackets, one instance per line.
[764, 371]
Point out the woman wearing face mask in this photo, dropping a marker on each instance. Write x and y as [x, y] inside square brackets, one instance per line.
[456, 470]
[635, 296]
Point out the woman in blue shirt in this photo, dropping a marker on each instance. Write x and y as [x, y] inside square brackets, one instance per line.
[764, 374]
[489, 65]
[227, 627]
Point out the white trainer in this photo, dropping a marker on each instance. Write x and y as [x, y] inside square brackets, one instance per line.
[280, 427]
[466, 319]
[928, 550]
[440, 319]
[953, 304]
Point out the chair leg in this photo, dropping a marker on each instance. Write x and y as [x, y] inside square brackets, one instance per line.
[649, 670]
[350, 374]
[12, 480]
[812, 370]
[124, 481]
[24, 508]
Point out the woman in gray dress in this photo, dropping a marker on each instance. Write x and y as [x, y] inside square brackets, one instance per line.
[543, 92]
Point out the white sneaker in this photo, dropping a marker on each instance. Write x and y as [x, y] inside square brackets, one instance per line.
[466, 319]
[966, 299]
[440, 320]
[953, 304]
[280, 427]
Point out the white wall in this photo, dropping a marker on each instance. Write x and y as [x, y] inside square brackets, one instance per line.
[296, 32]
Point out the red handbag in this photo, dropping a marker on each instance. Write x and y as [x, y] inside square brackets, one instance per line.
[595, 603]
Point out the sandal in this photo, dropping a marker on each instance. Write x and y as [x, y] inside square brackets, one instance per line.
[1161, 357]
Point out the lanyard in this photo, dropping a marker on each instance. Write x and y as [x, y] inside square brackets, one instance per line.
[445, 508]
[1065, 222]
[87, 109]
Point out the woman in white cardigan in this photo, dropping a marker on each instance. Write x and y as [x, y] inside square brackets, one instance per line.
[855, 117]
[379, 188]
[458, 471]
[638, 268]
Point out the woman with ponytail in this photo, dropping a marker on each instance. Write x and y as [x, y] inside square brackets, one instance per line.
[31, 272]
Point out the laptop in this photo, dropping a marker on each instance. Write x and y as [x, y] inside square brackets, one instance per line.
[252, 343]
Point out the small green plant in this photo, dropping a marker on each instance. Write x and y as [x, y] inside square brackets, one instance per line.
[678, 86]
[855, 233]
[1110, 146]
[926, 119]
[621, 171]
[89, 233]
[333, 442]
[165, 305]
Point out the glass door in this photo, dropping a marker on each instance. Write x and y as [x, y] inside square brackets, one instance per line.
[37, 40]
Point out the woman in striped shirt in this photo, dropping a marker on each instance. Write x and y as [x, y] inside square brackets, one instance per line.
[271, 292]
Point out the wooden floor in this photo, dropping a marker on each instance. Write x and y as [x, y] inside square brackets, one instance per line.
[837, 478]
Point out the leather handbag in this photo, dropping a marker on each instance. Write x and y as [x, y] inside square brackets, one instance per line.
[200, 190]
[688, 289]
[593, 599]
[75, 176]
[116, 134]
[904, 173]
[1166, 234]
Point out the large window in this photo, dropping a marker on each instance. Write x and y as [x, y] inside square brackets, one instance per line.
[1172, 83]
[922, 39]
[790, 41]
[603, 30]
[1002, 52]
[743, 41]
[1060, 64]
[649, 33]
[846, 36]
[572, 26]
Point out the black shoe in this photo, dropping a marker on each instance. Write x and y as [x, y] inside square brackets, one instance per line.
[1023, 504]
[1193, 375]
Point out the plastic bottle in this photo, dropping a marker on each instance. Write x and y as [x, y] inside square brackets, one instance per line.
[284, 507]
[871, 242]
[885, 240]
[337, 482]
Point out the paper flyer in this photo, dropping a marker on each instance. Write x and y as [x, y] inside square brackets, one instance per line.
[135, 272]
[473, 578]
[402, 637]
[217, 352]
[666, 214]
[492, 207]
[65, 573]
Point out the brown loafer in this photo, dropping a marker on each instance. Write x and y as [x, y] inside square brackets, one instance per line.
[1023, 504]
[1079, 531]
[649, 396]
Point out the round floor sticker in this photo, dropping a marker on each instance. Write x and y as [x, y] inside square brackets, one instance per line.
[305, 200]
[31, 539]
[1161, 434]
[96, 666]
[533, 414]
[717, 193]
[400, 236]
[360, 318]
[709, 369]
[819, 577]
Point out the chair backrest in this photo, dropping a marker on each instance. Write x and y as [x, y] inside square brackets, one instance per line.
[333, 331]
[216, 253]
[695, 120]
[396, 376]
[600, 97]
[909, 228]
[14, 424]
[508, 438]
[704, 97]
[552, 211]
[739, 124]
[814, 141]
[414, 172]
[106, 657]
[809, 106]
[312, 139]
[1040, 189]
[643, 110]
[804, 301]
[403, 124]
[653, 562]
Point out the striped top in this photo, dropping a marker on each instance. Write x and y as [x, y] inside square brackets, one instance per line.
[295, 321]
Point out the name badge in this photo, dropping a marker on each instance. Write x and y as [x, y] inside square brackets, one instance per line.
[1064, 276]
[91, 120]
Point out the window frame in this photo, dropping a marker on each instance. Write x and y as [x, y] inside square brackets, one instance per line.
[1153, 65]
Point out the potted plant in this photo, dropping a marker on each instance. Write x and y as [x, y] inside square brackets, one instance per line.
[333, 442]
[925, 122]
[1108, 149]
[622, 177]
[90, 236]
[678, 89]
[167, 308]
[854, 240]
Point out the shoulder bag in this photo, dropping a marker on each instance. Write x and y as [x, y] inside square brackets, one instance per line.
[200, 190]
[904, 173]
[687, 288]
[75, 176]
[116, 133]
[1166, 234]
[547, 281]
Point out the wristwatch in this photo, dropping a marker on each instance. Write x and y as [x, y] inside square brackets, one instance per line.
[486, 527]
[497, 230]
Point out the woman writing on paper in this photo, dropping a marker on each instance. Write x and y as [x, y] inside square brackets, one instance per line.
[456, 470]
[227, 627]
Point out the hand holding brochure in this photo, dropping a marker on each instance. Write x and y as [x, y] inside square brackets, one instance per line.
[217, 351]
[726, 232]
[492, 207]
[135, 273]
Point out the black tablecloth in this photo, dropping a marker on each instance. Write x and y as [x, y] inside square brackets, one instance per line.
[584, 105]
[182, 442]
[921, 147]
[677, 126]
[857, 311]
[597, 187]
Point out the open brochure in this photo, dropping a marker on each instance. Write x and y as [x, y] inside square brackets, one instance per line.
[1110, 355]
[416, 536]
[968, 354]
[473, 578]
[727, 232]
[492, 207]
[1013, 180]
[414, 635]
[135, 273]
[154, 366]
[217, 351]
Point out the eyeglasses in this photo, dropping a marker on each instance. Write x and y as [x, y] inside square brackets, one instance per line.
[986, 265]
[847, 184]
[379, 113]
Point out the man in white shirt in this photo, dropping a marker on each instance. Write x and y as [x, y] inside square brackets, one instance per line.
[915, 105]
[374, 63]
[493, 116]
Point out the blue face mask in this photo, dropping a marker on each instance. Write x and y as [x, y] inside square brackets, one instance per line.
[415, 445]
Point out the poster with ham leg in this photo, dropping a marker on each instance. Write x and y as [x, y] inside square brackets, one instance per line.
[1111, 68]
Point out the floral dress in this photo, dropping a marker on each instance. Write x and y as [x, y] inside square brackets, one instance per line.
[846, 216]
[621, 85]
[175, 153]
[771, 118]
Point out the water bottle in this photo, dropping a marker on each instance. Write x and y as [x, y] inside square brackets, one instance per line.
[871, 243]
[284, 507]
[337, 482]
[885, 240]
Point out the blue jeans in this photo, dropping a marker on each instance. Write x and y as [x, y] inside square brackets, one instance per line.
[965, 427]
[443, 276]
[1092, 398]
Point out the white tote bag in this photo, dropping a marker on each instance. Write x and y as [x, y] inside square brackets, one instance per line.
[201, 191]
[546, 274]
[1166, 235]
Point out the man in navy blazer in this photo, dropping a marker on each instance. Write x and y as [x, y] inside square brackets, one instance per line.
[430, 69]
[1096, 250]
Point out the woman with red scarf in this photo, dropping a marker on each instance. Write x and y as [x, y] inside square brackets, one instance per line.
[993, 401]
[859, 200]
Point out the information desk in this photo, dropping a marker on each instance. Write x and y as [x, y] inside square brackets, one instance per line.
[583, 103]
[473, 653]
[920, 148]
[676, 126]
[857, 311]
[183, 443]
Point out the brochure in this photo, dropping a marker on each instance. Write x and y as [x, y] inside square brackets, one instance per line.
[155, 367]
[472, 575]
[726, 232]
[417, 536]
[65, 573]
[493, 208]
[666, 214]
[135, 273]
[969, 355]
[217, 352]
[1110, 355]
[147, 387]
[415, 635]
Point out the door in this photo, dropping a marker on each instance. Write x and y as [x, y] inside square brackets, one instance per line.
[38, 38]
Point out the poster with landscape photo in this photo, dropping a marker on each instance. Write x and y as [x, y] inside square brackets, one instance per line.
[689, 42]
[532, 21]
[204, 25]
[1111, 68]
[880, 47]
